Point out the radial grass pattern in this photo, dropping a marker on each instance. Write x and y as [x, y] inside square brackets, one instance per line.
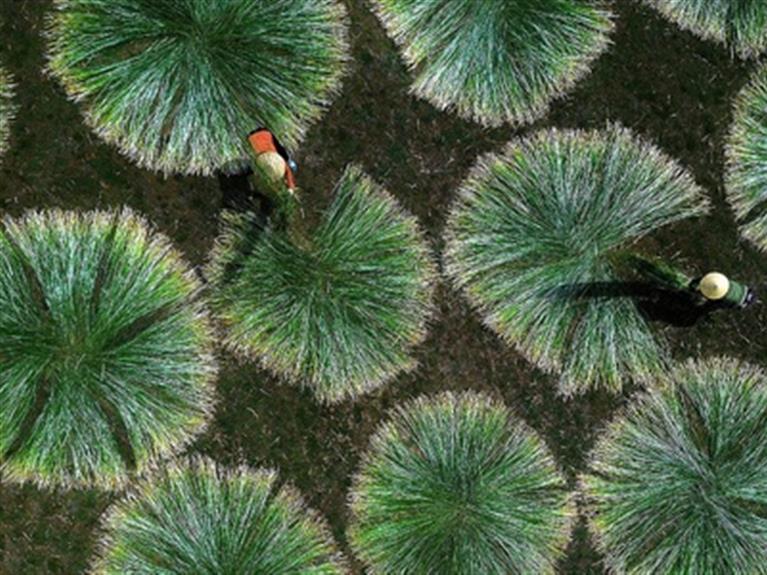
[740, 24]
[178, 84]
[746, 180]
[104, 348]
[7, 109]
[198, 519]
[531, 241]
[496, 61]
[340, 316]
[679, 482]
[456, 485]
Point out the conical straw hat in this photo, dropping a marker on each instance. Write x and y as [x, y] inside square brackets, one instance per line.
[714, 285]
[272, 165]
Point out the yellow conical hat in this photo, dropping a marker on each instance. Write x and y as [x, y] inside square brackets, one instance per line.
[272, 165]
[714, 285]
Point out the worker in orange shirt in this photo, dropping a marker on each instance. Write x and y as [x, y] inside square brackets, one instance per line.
[274, 173]
[272, 159]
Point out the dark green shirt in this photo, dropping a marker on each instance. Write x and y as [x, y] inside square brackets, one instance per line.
[736, 295]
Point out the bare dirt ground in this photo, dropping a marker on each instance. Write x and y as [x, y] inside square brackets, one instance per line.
[659, 81]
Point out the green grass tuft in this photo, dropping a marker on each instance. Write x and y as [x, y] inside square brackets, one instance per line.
[178, 84]
[739, 24]
[196, 518]
[746, 180]
[535, 232]
[104, 349]
[679, 482]
[7, 109]
[456, 485]
[340, 316]
[496, 61]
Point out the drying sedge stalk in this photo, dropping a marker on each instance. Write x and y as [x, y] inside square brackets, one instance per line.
[7, 109]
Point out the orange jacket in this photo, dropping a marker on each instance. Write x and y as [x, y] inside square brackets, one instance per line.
[262, 140]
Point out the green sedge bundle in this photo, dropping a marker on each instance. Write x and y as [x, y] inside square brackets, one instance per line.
[739, 24]
[746, 180]
[678, 482]
[177, 85]
[338, 312]
[456, 485]
[197, 518]
[105, 349]
[496, 61]
[532, 241]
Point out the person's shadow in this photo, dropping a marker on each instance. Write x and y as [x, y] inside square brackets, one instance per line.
[239, 196]
[236, 192]
[673, 307]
